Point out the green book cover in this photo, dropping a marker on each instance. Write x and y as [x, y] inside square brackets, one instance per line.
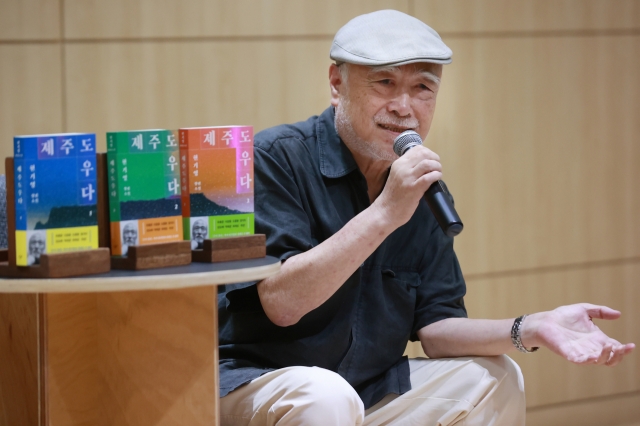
[144, 188]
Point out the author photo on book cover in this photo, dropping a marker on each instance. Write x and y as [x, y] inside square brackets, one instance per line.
[37, 246]
[129, 235]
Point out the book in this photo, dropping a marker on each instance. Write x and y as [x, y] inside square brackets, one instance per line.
[217, 182]
[55, 192]
[144, 188]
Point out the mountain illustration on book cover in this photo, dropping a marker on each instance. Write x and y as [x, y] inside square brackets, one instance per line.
[144, 188]
[55, 195]
[217, 182]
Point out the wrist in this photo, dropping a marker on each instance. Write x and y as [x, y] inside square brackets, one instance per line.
[530, 330]
[381, 216]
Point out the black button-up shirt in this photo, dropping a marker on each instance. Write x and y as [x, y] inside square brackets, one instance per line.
[307, 187]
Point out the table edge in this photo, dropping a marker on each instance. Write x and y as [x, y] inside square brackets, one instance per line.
[135, 283]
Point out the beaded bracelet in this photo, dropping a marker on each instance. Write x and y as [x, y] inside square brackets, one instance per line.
[516, 338]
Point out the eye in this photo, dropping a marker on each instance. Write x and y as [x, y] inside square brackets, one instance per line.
[424, 87]
[385, 82]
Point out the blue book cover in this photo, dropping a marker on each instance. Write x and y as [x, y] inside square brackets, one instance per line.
[55, 194]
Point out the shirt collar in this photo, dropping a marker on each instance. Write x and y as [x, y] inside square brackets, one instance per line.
[335, 158]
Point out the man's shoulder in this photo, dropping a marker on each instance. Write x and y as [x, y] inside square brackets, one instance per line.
[287, 136]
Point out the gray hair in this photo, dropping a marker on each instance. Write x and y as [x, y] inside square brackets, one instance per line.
[344, 71]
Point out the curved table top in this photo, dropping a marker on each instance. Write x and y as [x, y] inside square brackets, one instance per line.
[192, 275]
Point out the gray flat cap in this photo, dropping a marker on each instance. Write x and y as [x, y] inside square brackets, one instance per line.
[388, 37]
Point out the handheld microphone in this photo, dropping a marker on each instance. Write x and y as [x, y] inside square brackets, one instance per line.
[437, 196]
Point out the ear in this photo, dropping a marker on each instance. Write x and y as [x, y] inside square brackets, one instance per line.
[335, 83]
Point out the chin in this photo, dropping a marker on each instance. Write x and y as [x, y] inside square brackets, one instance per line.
[381, 151]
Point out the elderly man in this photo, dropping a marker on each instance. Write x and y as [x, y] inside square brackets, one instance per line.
[129, 236]
[367, 268]
[37, 247]
[199, 232]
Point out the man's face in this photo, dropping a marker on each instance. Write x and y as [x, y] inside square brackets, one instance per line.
[129, 235]
[37, 245]
[199, 231]
[375, 105]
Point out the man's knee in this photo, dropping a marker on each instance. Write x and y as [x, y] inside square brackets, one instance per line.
[507, 393]
[313, 395]
[324, 388]
[505, 370]
[497, 395]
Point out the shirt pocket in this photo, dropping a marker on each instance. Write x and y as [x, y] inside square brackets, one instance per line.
[399, 299]
[404, 279]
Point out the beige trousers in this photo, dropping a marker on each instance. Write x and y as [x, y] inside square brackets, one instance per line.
[460, 391]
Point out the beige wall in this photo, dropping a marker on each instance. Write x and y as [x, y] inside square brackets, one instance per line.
[537, 126]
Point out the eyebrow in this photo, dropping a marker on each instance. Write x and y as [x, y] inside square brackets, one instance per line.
[430, 76]
[383, 69]
[390, 68]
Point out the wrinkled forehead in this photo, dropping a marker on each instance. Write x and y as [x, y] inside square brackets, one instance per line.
[428, 70]
[36, 238]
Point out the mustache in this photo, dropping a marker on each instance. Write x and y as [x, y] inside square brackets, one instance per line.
[407, 123]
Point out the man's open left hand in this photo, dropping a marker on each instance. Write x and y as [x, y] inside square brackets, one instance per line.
[570, 332]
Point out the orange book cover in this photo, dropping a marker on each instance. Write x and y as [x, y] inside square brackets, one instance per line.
[217, 182]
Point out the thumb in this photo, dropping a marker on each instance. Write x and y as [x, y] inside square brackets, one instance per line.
[601, 312]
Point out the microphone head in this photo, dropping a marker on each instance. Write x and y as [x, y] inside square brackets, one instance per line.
[405, 141]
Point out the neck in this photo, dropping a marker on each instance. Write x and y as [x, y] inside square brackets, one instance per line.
[372, 164]
[374, 171]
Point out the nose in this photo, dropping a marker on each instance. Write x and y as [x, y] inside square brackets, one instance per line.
[400, 105]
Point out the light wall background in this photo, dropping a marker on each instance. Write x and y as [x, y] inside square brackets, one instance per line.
[537, 125]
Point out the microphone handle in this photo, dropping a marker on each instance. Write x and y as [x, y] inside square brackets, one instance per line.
[441, 204]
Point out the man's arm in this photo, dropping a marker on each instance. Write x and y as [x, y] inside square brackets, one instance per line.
[308, 279]
[567, 331]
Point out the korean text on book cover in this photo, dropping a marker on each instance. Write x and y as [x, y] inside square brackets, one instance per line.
[55, 195]
[217, 182]
[144, 188]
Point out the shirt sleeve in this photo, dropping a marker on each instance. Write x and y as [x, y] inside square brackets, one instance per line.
[279, 214]
[442, 288]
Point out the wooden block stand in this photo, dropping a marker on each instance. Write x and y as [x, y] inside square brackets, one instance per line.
[232, 248]
[154, 256]
[54, 265]
[61, 265]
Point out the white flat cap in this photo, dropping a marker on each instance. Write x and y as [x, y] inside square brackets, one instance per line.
[388, 37]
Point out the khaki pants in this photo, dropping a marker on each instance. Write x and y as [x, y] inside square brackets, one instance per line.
[458, 391]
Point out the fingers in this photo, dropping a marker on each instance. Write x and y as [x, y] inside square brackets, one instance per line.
[426, 166]
[415, 166]
[418, 153]
[605, 354]
[428, 179]
[601, 312]
[612, 354]
[618, 353]
[420, 166]
[409, 178]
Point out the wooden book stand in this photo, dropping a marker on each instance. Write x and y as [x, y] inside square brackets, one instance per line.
[231, 248]
[58, 265]
[154, 256]
[62, 265]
